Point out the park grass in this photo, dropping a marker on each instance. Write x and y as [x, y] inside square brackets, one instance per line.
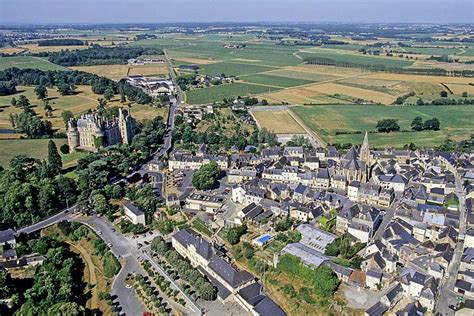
[232, 69]
[276, 81]
[456, 123]
[78, 103]
[28, 62]
[37, 148]
[218, 93]
[280, 122]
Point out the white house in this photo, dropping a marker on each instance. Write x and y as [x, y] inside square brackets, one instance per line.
[133, 213]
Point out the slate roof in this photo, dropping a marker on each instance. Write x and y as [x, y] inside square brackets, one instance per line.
[378, 309]
[7, 235]
[232, 276]
[267, 307]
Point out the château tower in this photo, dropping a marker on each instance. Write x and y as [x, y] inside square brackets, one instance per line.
[91, 131]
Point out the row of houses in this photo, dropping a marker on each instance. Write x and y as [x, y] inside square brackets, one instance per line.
[233, 284]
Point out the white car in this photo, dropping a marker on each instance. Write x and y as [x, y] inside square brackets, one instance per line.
[109, 245]
[99, 233]
[128, 286]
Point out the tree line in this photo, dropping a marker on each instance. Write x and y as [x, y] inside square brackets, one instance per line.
[97, 55]
[65, 81]
[61, 42]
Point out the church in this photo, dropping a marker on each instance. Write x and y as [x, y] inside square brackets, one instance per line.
[91, 131]
[355, 165]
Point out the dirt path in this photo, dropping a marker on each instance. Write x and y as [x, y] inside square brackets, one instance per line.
[94, 300]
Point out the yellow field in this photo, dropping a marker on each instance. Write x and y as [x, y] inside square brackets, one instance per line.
[114, 72]
[148, 70]
[295, 96]
[331, 70]
[279, 122]
[35, 48]
[11, 50]
[117, 72]
[418, 78]
[365, 94]
[310, 94]
[460, 88]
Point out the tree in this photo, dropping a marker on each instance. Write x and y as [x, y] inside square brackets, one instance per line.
[41, 92]
[417, 124]
[420, 102]
[13, 102]
[387, 126]
[443, 94]
[465, 94]
[432, 124]
[54, 159]
[64, 149]
[23, 102]
[66, 116]
[109, 94]
[65, 88]
[234, 234]
[206, 176]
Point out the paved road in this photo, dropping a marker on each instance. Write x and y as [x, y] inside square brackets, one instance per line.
[121, 248]
[447, 296]
[61, 216]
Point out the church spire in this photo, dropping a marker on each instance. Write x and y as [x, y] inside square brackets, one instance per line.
[365, 149]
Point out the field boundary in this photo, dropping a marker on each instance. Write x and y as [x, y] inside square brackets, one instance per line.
[320, 142]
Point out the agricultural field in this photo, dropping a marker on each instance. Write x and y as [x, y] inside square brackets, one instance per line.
[232, 69]
[28, 62]
[274, 81]
[37, 148]
[280, 122]
[218, 93]
[117, 72]
[393, 62]
[456, 123]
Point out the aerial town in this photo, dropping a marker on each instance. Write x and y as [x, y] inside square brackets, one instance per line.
[237, 168]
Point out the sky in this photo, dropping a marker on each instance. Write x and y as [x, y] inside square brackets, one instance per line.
[160, 11]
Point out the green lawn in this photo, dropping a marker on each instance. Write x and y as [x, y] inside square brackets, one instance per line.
[37, 148]
[218, 93]
[456, 123]
[283, 82]
[201, 227]
[28, 62]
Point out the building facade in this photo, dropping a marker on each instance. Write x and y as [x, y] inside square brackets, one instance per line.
[91, 131]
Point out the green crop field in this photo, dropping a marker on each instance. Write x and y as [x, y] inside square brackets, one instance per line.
[232, 69]
[37, 148]
[456, 123]
[362, 60]
[217, 93]
[429, 50]
[28, 62]
[277, 81]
